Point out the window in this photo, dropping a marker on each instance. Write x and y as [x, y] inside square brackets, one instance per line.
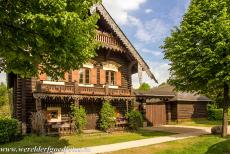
[84, 76]
[110, 78]
[53, 114]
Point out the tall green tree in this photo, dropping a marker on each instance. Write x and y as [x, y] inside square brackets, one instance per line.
[3, 95]
[199, 50]
[144, 87]
[53, 36]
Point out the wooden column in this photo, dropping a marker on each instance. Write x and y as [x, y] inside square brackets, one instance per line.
[38, 104]
[76, 102]
[127, 106]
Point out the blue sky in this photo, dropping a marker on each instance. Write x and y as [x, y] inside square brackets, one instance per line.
[146, 23]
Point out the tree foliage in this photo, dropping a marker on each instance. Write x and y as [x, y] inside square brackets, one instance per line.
[199, 48]
[56, 35]
[3, 95]
[79, 117]
[107, 117]
[144, 86]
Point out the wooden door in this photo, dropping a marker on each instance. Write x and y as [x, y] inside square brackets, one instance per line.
[156, 114]
[92, 110]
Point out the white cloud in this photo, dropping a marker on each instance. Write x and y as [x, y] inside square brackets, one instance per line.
[147, 11]
[159, 69]
[119, 8]
[152, 31]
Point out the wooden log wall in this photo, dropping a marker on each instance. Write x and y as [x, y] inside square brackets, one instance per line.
[23, 101]
[189, 110]
[120, 59]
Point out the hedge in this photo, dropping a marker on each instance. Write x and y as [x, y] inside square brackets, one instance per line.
[216, 114]
[8, 129]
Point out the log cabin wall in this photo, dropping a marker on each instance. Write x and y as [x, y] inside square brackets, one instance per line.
[23, 101]
[119, 59]
[191, 110]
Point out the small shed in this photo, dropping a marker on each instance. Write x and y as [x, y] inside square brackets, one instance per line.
[162, 105]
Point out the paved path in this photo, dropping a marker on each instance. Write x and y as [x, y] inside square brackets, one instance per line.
[183, 133]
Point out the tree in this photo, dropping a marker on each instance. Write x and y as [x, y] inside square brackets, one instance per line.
[107, 117]
[3, 95]
[47, 35]
[79, 116]
[144, 86]
[199, 50]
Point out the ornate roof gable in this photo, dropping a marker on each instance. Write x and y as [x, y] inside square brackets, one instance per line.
[104, 13]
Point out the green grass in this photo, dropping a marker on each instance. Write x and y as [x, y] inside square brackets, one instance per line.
[198, 122]
[207, 144]
[84, 140]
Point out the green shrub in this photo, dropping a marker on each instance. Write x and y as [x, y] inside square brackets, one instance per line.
[216, 114]
[79, 117]
[8, 129]
[107, 117]
[135, 120]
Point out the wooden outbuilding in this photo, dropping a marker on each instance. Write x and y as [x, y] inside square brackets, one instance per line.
[162, 105]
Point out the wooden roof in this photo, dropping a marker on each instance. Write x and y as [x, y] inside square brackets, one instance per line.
[168, 91]
[104, 13]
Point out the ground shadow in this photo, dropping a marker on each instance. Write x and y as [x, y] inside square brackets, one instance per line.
[152, 133]
[220, 148]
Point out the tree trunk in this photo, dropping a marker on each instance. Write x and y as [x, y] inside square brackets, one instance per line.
[225, 110]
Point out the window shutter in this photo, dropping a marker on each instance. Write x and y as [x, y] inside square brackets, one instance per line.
[75, 76]
[102, 76]
[118, 78]
[93, 76]
[42, 77]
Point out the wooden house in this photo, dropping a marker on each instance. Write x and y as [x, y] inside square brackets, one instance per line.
[162, 105]
[105, 77]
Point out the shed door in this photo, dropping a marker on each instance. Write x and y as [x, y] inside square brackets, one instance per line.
[156, 114]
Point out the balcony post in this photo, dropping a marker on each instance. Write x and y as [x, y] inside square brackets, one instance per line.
[106, 89]
[38, 104]
[76, 86]
[39, 86]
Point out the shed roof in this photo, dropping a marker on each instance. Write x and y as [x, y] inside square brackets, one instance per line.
[168, 91]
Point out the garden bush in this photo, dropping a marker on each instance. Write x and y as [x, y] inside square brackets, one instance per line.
[8, 129]
[79, 117]
[107, 117]
[135, 120]
[216, 114]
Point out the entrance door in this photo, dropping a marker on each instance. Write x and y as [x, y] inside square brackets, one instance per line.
[92, 110]
[156, 114]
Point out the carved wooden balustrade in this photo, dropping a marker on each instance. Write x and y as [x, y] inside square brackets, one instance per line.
[108, 40]
[73, 88]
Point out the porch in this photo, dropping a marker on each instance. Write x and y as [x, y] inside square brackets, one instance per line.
[58, 112]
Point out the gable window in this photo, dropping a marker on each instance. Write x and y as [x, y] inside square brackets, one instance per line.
[110, 78]
[84, 76]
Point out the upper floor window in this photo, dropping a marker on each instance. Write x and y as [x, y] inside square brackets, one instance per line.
[84, 76]
[110, 78]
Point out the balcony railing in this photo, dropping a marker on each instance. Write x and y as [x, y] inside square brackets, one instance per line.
[108, 40]
[73, 88]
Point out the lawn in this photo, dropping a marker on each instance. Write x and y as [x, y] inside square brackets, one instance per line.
[198, 122]
[207, 144]
[84, 140]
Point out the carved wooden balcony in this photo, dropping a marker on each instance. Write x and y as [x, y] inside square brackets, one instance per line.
[109, 41]
[73, 88]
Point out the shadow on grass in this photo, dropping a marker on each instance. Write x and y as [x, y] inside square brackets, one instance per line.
[220, 148]
[151, 133]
